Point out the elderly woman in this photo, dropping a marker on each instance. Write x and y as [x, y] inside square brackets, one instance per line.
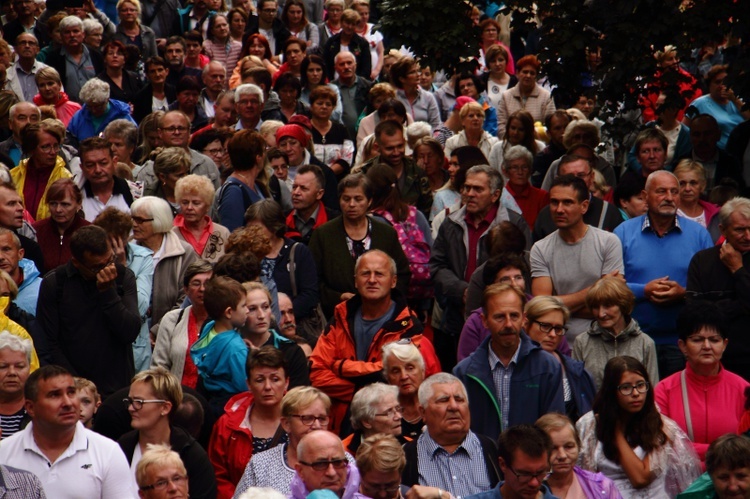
[374, 409]
[160, 471]
[130, 31]
[251, 422]
[153, 221]
[566, 478]
[50, 94]
[330, 138]
[473, 134]
[40, 143]
[332, 25]
[381, 461]
[219, 45]
[313, 75]
[123, 84]
[692, 178]
[179, 328]
[97, 112]
[93, 33]
[118, 226]
[64, 202]
[170, 165]
[469, 85]
[423, 106]
[517, 165]
[15, 355]
[153, 398]
[704, 399]
[526, 95]
[303, 409]
[194, 195]
[613, 332]
[404, 367]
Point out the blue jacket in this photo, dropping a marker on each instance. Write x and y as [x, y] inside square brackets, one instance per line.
[28, 291]
[536, 387]
[581, 385]
[221, 363]
[81, 125]
[495, 493]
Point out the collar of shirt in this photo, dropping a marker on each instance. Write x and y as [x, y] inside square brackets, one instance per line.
[647, 224]
[488, 218]
[495, 360]
[523, 193]
[80, 442]
[312, 218]
[470, 445]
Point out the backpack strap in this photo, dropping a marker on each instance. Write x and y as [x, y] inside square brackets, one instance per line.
[293, 270]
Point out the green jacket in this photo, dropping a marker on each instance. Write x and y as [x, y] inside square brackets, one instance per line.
[416, 190]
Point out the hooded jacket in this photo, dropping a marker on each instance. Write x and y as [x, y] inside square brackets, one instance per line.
[221, 363]
[81, 125]
[19, 173]
[28, 291]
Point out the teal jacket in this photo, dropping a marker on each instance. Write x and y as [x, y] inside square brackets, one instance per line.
[221, 363]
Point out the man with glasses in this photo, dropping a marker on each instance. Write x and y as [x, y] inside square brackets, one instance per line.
[510, 380]
[268, 24]
[524, 459]
[21, 74]
[101, 187]
[69, 460]
[88, 313]
[569, 261]
[322, 464]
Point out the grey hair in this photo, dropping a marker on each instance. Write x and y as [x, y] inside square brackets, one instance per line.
[207, 68]
[394, 270]
[588, 126]
[92, 25]
[426, 391]
[248, 89]
[123, 129]
[738, 204]
[496, 180]
[12, 110]
[156, 208]
[16, 344]
[261, 493]
[659, 173]
[363, 404]
[70, 22]
[405, 352]
[330, 3]
[14, 237]
[517, 152]
[417, 130]
[95, 91]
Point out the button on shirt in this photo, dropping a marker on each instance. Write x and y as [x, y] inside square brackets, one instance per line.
[462, 472]
[502, 375]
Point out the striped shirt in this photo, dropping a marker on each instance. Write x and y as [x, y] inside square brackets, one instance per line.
[12, 423]
[462, 472]
[502, 375]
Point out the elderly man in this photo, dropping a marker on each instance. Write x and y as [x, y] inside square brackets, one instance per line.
[21, 74]
[650, 147]
[448, 459]
[20, 115]
[322, 464]
[517, 163]
[23, 272]
[288, 324]
[174, 131]
[510, 379]
[97, 112]
[68, 459]
[348, 354]
[727, 473]
[459, 249]
[352, 88]
[309, 212]
[101, 187]
[657, 248]
[720, 274]
[248, 102]
[122, 136]
[214, 78]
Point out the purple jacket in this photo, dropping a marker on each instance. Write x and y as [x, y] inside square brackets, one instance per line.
[351, 489]
[596, 485]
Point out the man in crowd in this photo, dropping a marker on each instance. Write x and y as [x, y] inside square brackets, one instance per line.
[309, 211]
[101, 188]
[727, 470]
[353, 90]
[267, 23]
[11, 217]
[555, 123]
[524, 381]
[322, 464]
[175, 56]
[20, 115]
[23, 272]
[68, 459]
[214, 81]
[248, 102]
[21, 74]
[288, 323]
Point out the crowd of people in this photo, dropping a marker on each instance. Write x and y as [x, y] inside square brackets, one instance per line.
[256, 251]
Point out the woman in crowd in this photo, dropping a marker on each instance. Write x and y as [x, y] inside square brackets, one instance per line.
[131, 32]
[294, 54]
[248, 182]
[180, 328]
[16, 352]
[624, 436]
[692, 178]
[449, 196]
[497, 79]
[303, 409]
[517, 164]
[289, 90]
[469, 85]
[213, 143]
[237, 17]
[519, 131]
[148, 136]
[490, 31]
[219, 45]
[152, 228]
[428, 153]
[195, 195]
[567, 479]
[374, 38]
[381, 462]
[704, 399]
[51, 94]
[378, 94]
[422, 105]
[94, 32]
[545, 324]
[160, 460]
[257, 45]
[153, 398]
[97, 112]
[295, 19]
[170, 165]
[330, 138]
[472, 117]
[527, 95]
[251, 422]
[613, 332]
[374, 410]
[64, 201]
[313, 75]
[194, 56]
[332, 24]
[404, 367]
[123, 85]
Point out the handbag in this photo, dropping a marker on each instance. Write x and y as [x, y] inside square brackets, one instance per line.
[312, 326]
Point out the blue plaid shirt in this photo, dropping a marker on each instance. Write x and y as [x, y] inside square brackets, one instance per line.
[462, 472]
[502, 375]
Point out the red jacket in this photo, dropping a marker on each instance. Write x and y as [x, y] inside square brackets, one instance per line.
[231, 447]
[335, 368]
[320, 219]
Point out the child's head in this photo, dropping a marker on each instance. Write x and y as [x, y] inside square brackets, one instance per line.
[89, 398]
[224, 300]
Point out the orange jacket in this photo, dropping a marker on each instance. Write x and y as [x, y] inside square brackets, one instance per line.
[335, 368]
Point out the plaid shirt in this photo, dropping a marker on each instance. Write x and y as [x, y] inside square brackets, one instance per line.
[462, 472]
[502, 375]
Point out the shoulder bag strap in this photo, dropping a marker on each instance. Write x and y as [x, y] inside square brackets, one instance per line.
[292, 270]
[686, 406]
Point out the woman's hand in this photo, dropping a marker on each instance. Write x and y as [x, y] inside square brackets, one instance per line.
[118, 248]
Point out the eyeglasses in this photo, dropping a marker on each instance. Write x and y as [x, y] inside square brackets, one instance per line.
[546, 327]
[141, 220]
[392, 411]
[99, 268]
[525, 476]
[372, 490]
[511, 279]
[215, 152]
[627, 389]
[138, 403]
[163, 484]
[175, 129]
[522, 168]
[308, 420]
[338, 464]
[50, 148]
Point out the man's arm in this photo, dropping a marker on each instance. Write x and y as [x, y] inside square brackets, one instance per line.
[116, 479]
[120, 306]
[49, 319]
[322, 374]
[447, 283]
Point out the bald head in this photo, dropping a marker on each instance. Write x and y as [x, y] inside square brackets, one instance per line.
[316, 440]
[322, 462]
[346, 66]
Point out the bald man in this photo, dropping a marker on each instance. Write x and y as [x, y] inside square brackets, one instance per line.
[323, 464]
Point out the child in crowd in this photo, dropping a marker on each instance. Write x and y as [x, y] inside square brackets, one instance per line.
[90, 400]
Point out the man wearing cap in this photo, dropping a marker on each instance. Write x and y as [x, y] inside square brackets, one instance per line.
[293, 140]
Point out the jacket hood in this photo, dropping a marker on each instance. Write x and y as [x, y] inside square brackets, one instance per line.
[30, 272]
[236, 408]
[173, 246]
[631, 331]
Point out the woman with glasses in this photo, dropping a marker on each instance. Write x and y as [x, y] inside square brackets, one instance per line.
[161, 473]
[613, 331]
[153, 398]
[374, 409]
[404, 368]
[566, 479]
[381, 461]
[545, 323]
[303, 409]
[704, 399]
[624, 437]
[170, 165]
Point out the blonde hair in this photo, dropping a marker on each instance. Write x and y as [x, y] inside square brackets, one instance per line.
[199, 185]
[86, 384]
[469, 107]
[157, 455]
[611, 291]
[381, 453]
[257, 286]
[164, 384]
[300, 397]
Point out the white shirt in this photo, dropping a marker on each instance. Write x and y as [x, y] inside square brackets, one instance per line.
[93, 466]
[92, 206]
